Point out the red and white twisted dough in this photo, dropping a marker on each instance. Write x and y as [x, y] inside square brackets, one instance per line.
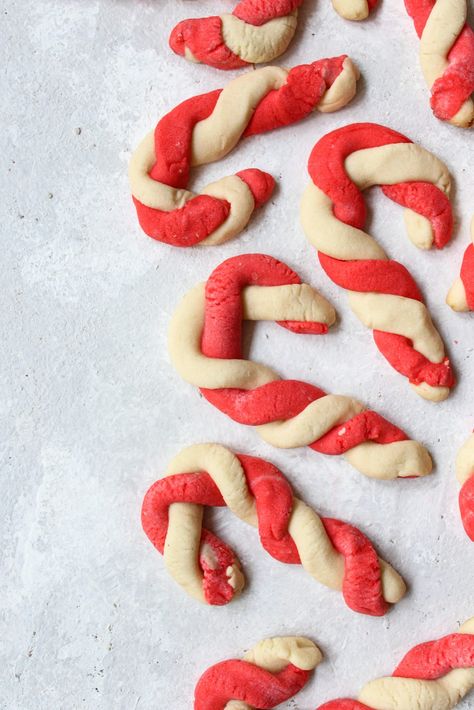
[205, 128]
[465, 476]
[446, 56]
[461, 293]
[382, 293]
[205, 348]
[432, 676]
[271, 672]
[256, 31]
[333, 552]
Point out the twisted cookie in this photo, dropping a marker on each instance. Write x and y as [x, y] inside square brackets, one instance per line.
[461, 293]
[272, 671]
[432, 676]
[205, 129]
[205, 348]
[257, 31]
[465, 476]
[382, 293]
[333, 552]
[446, 56]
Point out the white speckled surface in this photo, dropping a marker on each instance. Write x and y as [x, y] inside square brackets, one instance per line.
[92, 410]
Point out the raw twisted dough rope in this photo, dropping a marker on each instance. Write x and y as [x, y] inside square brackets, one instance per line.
[256, 31]
[206, 128]
[432, 676]
[382, 293]
[272, 671]
[461, 293]
[446, 56]
[465, 476]
[332, 551]
[205, 348]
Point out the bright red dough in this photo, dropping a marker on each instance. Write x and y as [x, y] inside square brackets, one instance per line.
[239, 680]
[466, 506]
[204, 38]
[281, 399]
[362, 587]
[467, 275]
[456, 85]
[427, 661]
[326, 167]
[202, 215]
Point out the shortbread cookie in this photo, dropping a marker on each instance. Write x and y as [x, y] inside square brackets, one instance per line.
[333, 552]
[465, 476]
[382, 293]
[461, 293]
[432, 676]
[257, 31]
[446, 56]
[205, 348]
[205, 129]
[271, 672]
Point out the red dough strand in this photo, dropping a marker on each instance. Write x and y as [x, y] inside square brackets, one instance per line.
[466, 506]
[467, 275]
[385, 276]
[456, 85]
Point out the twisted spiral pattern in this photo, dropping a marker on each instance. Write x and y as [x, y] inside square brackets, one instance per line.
[382, 293]
[256, 31]
[432, 676]
[205, 128]
[333, 552]
[465, 476]
[461, 293]
[446, 56]
[205, 348]
[271, 672]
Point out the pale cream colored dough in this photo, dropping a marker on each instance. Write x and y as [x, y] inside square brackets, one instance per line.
[441, 31]
[278, 303]
[318, 556]
[411, 694]
[351, 9]
[274, 654]
[456, 297]
[465, 461]
[214, 137]
[385, 165]
[257, 44]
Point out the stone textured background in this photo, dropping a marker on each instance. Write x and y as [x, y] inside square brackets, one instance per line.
[91, 409]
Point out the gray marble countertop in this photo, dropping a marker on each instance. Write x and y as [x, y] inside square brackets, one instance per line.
[92, 410]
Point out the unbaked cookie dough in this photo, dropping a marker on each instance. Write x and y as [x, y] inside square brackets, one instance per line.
[205, 128]
[461, 293]
[382, 293]
[205, 348]
[465, 476]
[333, 552]
[270, 673]
[435, 675]
[446, 57]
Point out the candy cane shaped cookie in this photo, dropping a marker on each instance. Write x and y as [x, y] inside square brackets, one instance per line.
[446, 56]
[432, 676]
[205, 348]
[465, 476]
[382, 293]
[257, 31]
[461, 293]
[271, 672]
[205, 129]
[333, 552]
